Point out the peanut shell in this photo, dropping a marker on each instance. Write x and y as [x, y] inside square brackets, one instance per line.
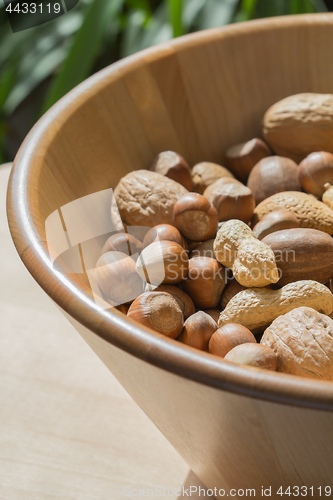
[252, 261]
[310, 212]
[257, 308]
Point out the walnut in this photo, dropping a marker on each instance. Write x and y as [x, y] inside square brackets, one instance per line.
[146, 198]
[303, 342]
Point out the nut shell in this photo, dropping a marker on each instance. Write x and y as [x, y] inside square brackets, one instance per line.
[206, 173]
[122, 242]
[275, 221]
[302, 254]
[232, 200]
[229, 336]
[256, 308]
[300, 124]
[214, 313]
[328, 195]
[159, 311]
[241, 158]
[117, 278]
[162, 262]
[205, 282]
[146, 198]
[185, 302]
[232, 288]
[218, 184]
[315, 171]
[198, 330]
[164, 232]
[195, 217]
[309, 211]
[174, 166]
[204, 249]
[252, 261]
[255, 355]
[271, 175]
[303, 342]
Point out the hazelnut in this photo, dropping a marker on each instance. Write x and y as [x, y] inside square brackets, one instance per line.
[275, 221]
[204, 249]
[232, 200]
[162, 262]
[205, 282]
[164, 232]
[192, 245]
[185, 302]
[117, 278]
[272, 175]
[241, 158]
[174, 166]
[197, 331]
[231, 289]
[315, 171]
[218, 184]
[214, 313]
[229, 336]
[159, 311]
[195, 217]
[253, 355]
[122, 242]
[205, 173]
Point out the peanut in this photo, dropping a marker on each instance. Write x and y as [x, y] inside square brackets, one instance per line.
[257, 308]
[328, 195]
[252, 261]
[310, 212]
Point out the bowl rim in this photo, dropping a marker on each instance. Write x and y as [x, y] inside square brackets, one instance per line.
[111, 325]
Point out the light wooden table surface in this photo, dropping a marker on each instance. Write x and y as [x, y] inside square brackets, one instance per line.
[68, 430]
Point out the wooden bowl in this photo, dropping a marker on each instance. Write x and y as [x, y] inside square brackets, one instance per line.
[236, 427]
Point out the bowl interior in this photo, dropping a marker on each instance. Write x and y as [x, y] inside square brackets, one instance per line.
[197, 95]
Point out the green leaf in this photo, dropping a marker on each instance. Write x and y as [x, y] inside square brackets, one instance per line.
[319, 5]
[271, 8]
[2, 141]
[139, 5]
[6, 83]
[175, 8]
[157, 30]
[191, 10]
[86, 45]
[217, 13]
[248, 8]
[134, 26]
[43, 68]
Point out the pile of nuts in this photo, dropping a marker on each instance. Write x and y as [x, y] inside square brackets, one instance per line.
[236, 260]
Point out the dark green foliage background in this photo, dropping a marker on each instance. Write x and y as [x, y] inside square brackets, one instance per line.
[39, 65]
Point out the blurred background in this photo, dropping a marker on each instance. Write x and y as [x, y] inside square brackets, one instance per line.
[39, 65]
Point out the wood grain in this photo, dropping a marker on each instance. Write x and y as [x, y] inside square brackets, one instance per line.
[211, 91]
[67, 427]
